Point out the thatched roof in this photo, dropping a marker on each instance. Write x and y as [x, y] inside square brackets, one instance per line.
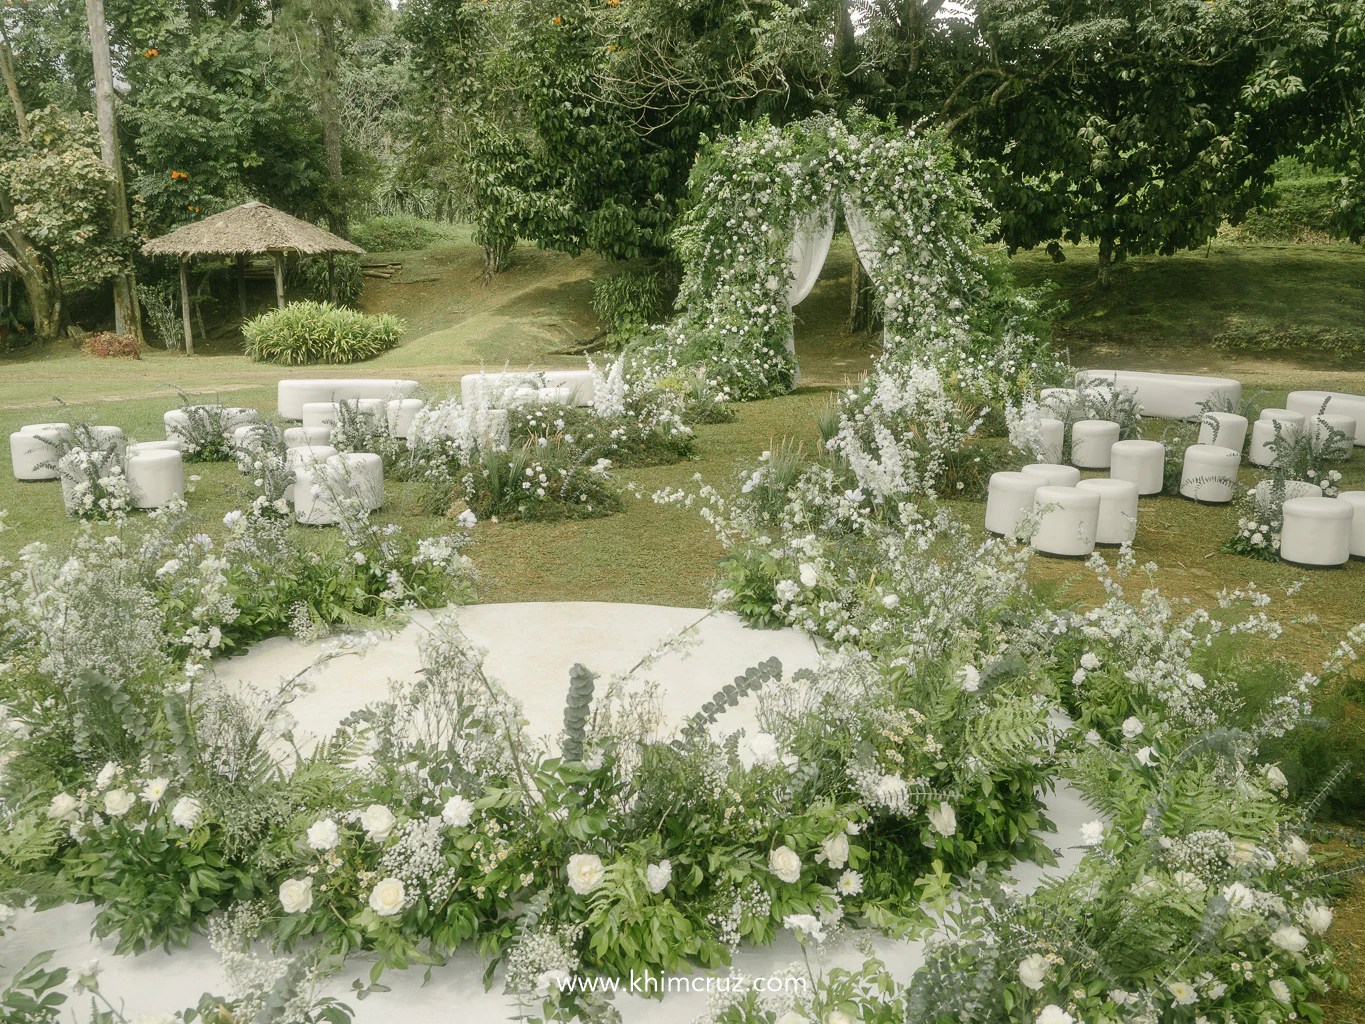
[249, 229]
[8, 264]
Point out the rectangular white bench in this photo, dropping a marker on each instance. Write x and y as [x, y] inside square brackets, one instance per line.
[1310, 404]
[579, 383]
[294, 394]
[1169, 396]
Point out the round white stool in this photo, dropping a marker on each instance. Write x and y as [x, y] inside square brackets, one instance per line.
[155, 446]
[1053, 434]
[108, 437]
[177, 421]
[1141, 463]
[1054, 475]
[235, 416]
[1283, 416]
[1118, 510]
[34, 450]
[72, 467]
[1209, 474]
[315, 493]
[1346, 425]
[1356, 499]
[1265, 490]
[1009, 498]
[400, 414]
[361, 476]
[304, 456]
[295, 437]
[1262, 450]
[318, 415]
[1060, 401]
[1224, 429]
[1091, 441]
[154, 477]
[1317, 532]
[1067, 520]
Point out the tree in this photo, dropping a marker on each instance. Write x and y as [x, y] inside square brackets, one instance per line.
[1129, 122]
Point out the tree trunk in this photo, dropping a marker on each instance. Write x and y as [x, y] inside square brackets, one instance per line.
[126, 320]
[278, 257]
[241, 284]
[1104, 277]
[12, 86]
[331, 123]
[185, 308]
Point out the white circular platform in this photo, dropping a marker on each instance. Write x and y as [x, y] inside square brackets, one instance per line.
[531, 648]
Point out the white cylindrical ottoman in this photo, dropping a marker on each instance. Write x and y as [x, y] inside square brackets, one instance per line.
[34, 450]
[1056, 476]
[321, 414]
[1322, 426]
[1209, 474]
[1141, 463]
[1262, 450]
[1009, 498]
[155, 446]
[154, 477]
[1283, 416]
[1265, 491]
[295, 437]
[235, 416]
[1053, 433]
[361, 476]
[108, 437]
[1317, 532]
[1091, 441]
[400, 414]
[1062, 402]
[315, 494]
[73, 469]
[1067, 520]
[1356, 499]
[297, 458]
[1118, 510]
[1224, 429]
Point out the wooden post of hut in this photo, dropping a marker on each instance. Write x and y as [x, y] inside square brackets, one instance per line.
[241, 284]
[331, 281]
[185, 307]
[278, 257]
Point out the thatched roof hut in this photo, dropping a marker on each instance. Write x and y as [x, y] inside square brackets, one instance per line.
[8, 264]
[252, 229]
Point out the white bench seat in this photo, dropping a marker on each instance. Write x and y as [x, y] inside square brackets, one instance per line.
[509, 386]
[1340, 403]
[292, 395]
[1169, 396]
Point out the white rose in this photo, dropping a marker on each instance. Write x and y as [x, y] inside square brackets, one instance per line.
[106, 774]
[1280, 991]
[1132, 727]
[155, 790]
[1238, 895]
[785, 864]
[1146, 757]
[971, 678]
[657, 876]
[1033, 971]
[1092, 833]
[1299, 851]
[554, 980]
[809, 577]
[943, 819]
[840, 1017]
[387, 897]
[458, 811]
[1078, 677]
[323, 835]
[117, 802]
[764, 748]
[1275, 777]
[63, 807]
[1317, 919]
[835, 850]
[1093, 738]
[1244, 851]
[378, 821]
[1289, 939]
[1054, 1014]
[889, 602]
[296, 894]
[1090, 661]
[585, 872]
[186, 812]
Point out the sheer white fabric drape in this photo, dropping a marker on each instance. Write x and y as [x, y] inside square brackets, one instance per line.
[806, 254]
[864, 234]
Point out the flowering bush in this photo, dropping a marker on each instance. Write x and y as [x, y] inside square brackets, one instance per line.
[109, 344]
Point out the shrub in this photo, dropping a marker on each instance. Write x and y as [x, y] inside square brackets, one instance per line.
[347, 274]
[395, 234]
[628, 302]
[109, 344]
[162, 306]
[318, 332]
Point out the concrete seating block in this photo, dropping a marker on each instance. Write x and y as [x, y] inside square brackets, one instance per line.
[1141, 463]
[1172, 396]
[292, 395]
[294, 437]
[1209, 474]
[1091, 441]
[1117, 522]
[400, 413]
[1356, 499]
[1068, 518]
[1057, 476]
[1310, 403]
[1009, 498]
[1225, 429]
[1053, 432]
[360, 476]
[35, 444]
[1317, 532]
[1324, 424]
[154, 477]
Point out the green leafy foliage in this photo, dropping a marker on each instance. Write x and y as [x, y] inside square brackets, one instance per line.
[305, 333]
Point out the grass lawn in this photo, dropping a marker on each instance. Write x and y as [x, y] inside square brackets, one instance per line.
[1161, 316]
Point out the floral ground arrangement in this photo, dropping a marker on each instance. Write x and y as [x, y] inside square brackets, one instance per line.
[888, 792]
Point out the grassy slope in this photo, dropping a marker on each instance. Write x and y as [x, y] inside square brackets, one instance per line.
[1160, 317]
